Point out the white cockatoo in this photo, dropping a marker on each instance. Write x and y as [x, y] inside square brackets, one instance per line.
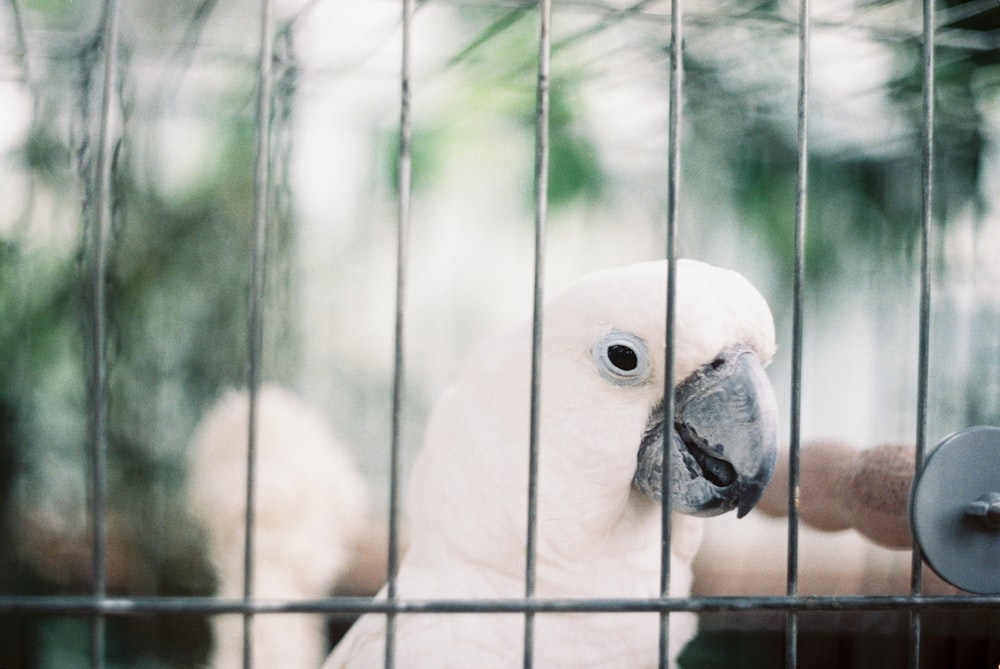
[308, 493]
[601, 446]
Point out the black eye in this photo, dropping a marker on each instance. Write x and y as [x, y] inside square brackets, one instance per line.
[623, 357]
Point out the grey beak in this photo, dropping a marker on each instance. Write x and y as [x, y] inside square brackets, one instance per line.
[724, 439]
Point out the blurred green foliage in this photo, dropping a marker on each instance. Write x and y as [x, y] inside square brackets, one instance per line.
[499, 68]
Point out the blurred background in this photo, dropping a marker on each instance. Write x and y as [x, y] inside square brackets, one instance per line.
[184, 132]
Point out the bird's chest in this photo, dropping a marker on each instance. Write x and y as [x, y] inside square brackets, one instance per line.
[607, 640]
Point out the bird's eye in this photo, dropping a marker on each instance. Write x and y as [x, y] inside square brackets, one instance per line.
[622, 358]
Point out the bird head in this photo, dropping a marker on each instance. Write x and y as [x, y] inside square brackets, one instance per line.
[723, 438]
[602, 438]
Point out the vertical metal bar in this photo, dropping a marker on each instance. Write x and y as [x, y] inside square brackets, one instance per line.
[541, 185]
[255, 326]
[801, 211]
[923, 353]
[97, 336]
[402, 235]
[21, 45]
[673, 215]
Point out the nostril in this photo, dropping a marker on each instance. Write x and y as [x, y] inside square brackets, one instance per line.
[718, 362]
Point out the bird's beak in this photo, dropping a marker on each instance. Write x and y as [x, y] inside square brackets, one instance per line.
[724, 439]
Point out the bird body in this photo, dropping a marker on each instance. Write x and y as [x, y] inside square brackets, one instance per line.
[600, 425]
[492, 640]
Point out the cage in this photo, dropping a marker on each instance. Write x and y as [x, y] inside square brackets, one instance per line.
[324, 195]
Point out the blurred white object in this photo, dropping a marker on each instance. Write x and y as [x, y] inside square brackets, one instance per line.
[310, 512]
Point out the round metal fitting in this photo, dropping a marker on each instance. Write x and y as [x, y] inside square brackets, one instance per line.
[955, 509]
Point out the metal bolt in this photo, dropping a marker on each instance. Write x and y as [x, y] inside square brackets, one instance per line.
[987, 509]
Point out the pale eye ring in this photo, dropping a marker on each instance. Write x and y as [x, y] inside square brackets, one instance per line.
[622, 358]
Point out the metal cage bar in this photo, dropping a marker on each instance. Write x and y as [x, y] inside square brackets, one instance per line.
[255, 324]
[402, 245]
[675, 100]
[798, 298]
[97, 335]
[131, 606]
[541, 190]
[923, 346]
